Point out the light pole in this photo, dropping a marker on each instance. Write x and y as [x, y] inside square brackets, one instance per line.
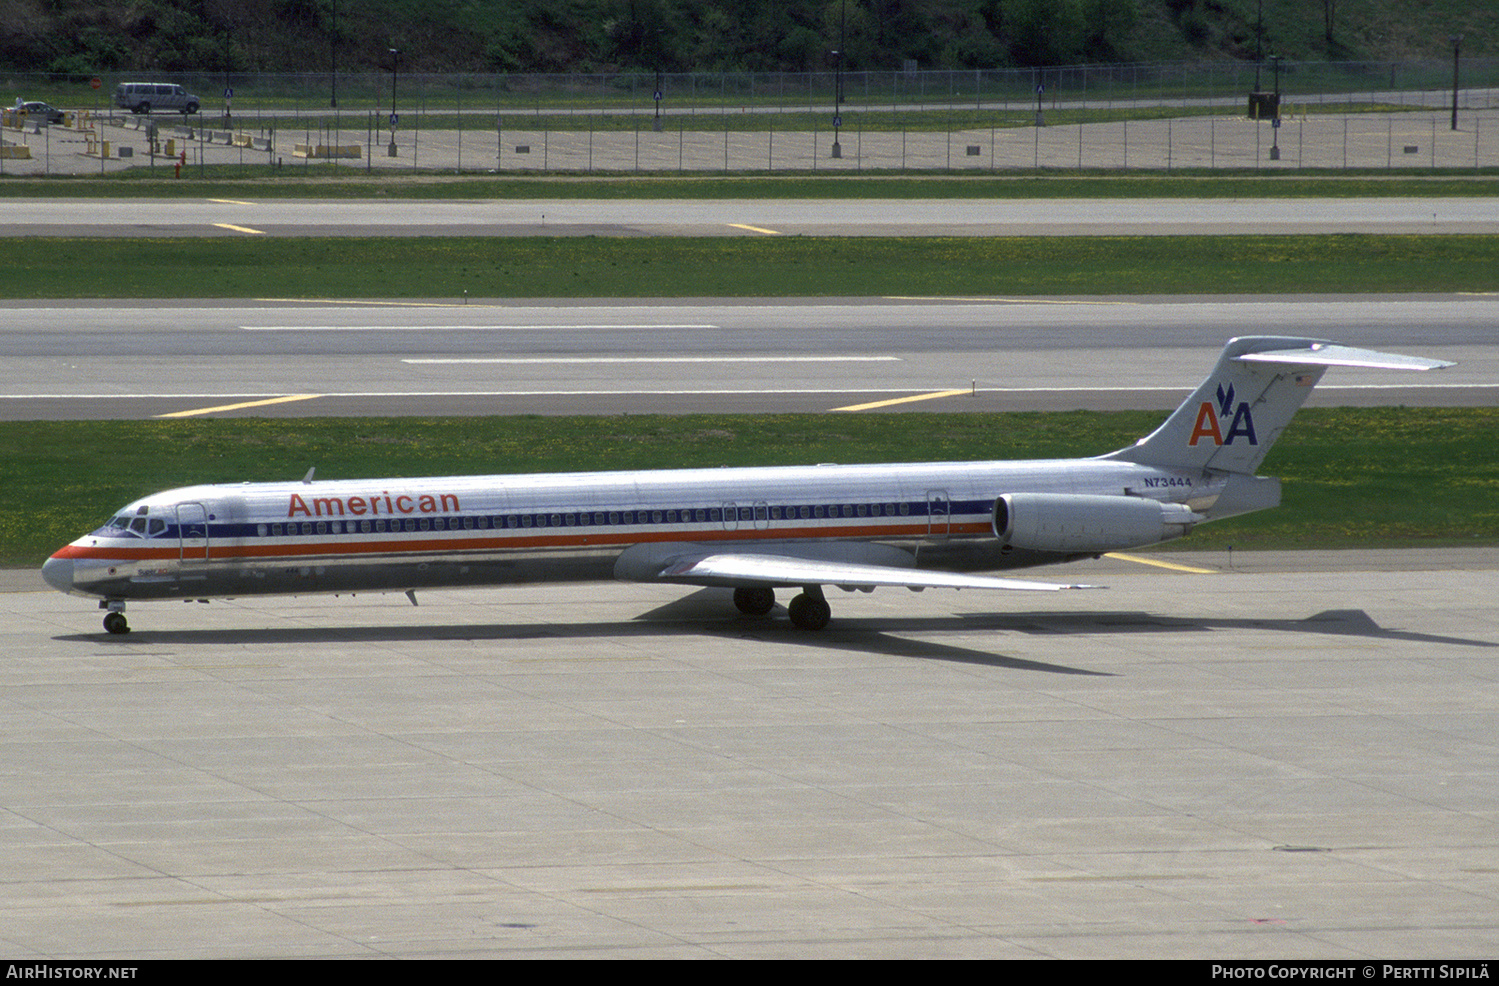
[1457, 41]
[395, 70]
[1259, 43]
[333, 58]
[1275, 113]
[838, 77]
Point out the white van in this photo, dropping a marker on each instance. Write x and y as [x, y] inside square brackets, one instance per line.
[143, 97]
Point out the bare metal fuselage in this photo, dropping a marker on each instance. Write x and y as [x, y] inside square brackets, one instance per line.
[398, 534]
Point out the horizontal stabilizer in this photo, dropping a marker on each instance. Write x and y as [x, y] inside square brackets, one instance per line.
[1331, 354]
[1230, 421]
[779, 570]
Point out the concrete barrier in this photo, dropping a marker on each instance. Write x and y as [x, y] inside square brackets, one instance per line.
[316, 151]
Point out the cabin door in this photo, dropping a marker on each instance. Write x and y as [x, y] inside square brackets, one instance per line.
[939, 515]
[192, 529]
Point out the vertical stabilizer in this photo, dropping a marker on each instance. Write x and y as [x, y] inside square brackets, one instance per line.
[1258, 385]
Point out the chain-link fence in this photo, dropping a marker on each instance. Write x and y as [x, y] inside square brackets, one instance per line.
[1331, 115]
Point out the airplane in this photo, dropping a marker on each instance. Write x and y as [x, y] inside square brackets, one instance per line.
[754, 530]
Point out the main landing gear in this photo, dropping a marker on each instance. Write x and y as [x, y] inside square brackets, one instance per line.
[808, 611]
[114, 620]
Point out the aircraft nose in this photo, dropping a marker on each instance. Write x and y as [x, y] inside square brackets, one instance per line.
[59, 573]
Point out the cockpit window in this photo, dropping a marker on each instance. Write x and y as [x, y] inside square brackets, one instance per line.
[114, 526]
[138, 525]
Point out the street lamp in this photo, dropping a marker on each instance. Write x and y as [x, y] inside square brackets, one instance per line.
[395, 70]
[333, 58]
[1457, 41]
[837, 100]
[1275, 112]
[838, 76]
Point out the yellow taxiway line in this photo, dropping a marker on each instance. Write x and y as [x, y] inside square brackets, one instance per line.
[240, 229]
[904, 400]
[237, 407]
[1160, 564]
[756, 229]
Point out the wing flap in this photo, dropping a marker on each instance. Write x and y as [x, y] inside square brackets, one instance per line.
[780, 570]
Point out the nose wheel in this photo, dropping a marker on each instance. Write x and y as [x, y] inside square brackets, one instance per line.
[114, 622]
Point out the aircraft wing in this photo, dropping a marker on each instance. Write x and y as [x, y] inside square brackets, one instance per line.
[781, 570]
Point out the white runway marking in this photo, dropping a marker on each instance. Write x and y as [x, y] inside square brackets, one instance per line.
[528, 327]
[660, 359]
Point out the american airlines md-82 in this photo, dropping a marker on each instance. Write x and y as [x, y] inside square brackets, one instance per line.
[755, 530]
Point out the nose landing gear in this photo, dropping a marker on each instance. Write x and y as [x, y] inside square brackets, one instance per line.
[114, 620]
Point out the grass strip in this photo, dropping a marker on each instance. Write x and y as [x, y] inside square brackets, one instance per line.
[769, 266]
[1353, 477]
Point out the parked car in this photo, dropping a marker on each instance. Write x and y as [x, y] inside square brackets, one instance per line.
[143, 97]
[45, 112]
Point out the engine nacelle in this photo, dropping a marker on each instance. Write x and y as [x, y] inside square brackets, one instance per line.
[1070, 523]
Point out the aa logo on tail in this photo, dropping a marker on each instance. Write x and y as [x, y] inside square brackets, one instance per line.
[1210, 418]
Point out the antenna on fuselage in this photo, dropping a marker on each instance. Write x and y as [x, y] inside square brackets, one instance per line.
[307, 479]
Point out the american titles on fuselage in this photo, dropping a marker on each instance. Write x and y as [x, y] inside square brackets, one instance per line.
[358, 506]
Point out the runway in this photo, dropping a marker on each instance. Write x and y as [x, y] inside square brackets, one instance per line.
[136, 360]
[1292, 757]
[744, 217]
